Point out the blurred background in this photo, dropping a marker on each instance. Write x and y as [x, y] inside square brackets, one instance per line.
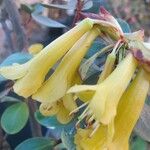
[135, 12]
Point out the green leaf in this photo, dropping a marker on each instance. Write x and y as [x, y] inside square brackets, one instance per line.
[71, 5]
[96, 47]
[52, 123]
[60, 147]
[38, 8]
[27, 8]
[87, 4]
[16, 58]
[88, 67]
[38, 143]
[138, 144]
[68, 140]
[9, 99]
[124, 25]
[46, 21]
[15, 118]
[58, 6]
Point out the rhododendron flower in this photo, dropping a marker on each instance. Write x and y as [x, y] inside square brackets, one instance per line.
[128, 112]
[103, 105]
[31, 75]
[61, 80]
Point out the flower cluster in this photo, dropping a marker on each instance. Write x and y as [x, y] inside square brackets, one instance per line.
[113, 105]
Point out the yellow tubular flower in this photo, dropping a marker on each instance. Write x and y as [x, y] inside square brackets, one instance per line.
[47, 109]
[103, 104]
[50, 109]
[57, 85]
[39, 66]
[69, 102]
[108, 68]
[105, 100]
[58, 109]
[96, 142]
[128, 112]
[16, 71]
[63, 114]
[35, 48]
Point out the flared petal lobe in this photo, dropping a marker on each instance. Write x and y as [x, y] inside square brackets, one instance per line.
[129, 109]
[128, 112]
[105, 100]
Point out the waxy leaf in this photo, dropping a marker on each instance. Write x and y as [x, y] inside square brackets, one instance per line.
[38, 143]
[52, 123]
[87, 4]
[124, 25]
[138, 144]
[8, 99]
[27, 8]
[15, 118]
[68, 140]
[46, 21]
[19, 58]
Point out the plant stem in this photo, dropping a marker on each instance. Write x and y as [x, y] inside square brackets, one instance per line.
[15, 18]
[77, 12]
[3, 143]
[35, 127]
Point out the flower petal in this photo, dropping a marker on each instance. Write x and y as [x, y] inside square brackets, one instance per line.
[43, 61]
[108, 93]
[82, 88]
[16, 71]
[35, 48]
[47, 109]
[63, 114]
[57, 85]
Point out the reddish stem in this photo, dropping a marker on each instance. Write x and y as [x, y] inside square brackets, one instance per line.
[77, 12]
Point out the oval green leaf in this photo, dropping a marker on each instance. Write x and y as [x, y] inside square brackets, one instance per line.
[124, 25]
[15, 118]
[46, 21]
[87, 4]
[68, 140]
[38, 143]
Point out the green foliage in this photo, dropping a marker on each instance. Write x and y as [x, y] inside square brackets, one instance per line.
[96, 47]
[16, 58]
[55, 126]
[68, 140]
[51, 121]
[138, 144]
[71, 5]
[15, 118]
[46, 21]
[124, 25]
[29, 9]
[38, 143]
[8, 99]
[87, 4]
